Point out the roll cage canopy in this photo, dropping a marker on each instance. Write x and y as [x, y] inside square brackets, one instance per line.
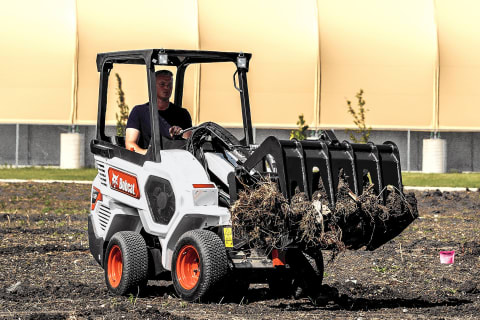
[180, 59]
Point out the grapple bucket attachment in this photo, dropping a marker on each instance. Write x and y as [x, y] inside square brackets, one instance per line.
[303, 164]
[346, 174]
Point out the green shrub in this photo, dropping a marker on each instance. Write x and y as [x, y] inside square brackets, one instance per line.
[301, 132]
[124, 110]
[359, 120]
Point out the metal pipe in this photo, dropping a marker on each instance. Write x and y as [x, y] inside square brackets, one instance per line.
[247, 118]
[408, 150]
[17, 143]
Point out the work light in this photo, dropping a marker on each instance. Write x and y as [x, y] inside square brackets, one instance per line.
[162, 57]
[241, 61]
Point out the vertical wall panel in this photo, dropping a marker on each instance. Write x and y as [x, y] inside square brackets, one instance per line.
[385, 47]
[459, 38]
[36, 60]
[282, 36]
[115, 25]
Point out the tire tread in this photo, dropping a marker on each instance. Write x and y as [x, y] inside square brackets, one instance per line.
[214, 262]
[135, 261]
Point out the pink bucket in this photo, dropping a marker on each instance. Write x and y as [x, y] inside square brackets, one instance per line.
[447, 257]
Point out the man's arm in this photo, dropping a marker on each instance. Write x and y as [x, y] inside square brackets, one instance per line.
[187, 124]
[187, 134]
[175, 131]
[131, 139]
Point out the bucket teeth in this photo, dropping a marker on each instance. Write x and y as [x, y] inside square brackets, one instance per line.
[327, 194]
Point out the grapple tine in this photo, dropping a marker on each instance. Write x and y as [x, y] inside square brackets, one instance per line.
[301, 164]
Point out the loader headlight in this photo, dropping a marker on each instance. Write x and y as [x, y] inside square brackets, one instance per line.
[205, 194]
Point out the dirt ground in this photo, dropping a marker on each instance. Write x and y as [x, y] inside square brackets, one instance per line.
[47, 272]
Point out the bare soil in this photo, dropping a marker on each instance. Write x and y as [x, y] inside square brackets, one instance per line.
[47, 272]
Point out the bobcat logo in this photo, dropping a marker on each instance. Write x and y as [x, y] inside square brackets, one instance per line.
[123, 182]
[115, 180]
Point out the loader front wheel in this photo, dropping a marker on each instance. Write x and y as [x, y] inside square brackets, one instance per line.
[199, 263]
[309, 274]
[126, 263]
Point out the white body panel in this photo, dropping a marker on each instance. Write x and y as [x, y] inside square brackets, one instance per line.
[219, 166]
[194, 207]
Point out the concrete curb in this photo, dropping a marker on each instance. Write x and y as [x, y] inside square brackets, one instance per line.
[44, 181]
[442, 189]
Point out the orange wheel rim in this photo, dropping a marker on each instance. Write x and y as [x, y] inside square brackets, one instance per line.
[188, 267]
[115, 266]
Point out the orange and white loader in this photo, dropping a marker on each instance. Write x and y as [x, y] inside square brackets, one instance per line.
[166, 214]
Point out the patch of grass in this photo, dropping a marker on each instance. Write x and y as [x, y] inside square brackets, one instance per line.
[385, 269]
[451, 290]
[463, 180]
[132, 299]
[45, 173]
[46, 209]
[165, 303]
[380, 269]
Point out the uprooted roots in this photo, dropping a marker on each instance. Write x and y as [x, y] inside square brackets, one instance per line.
[265, 219]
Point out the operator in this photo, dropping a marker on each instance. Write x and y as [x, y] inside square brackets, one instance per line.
[172, 118]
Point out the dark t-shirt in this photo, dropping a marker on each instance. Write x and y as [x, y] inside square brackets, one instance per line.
[139, 119]
[176, 116]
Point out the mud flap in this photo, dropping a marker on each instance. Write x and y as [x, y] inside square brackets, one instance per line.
[95, 243]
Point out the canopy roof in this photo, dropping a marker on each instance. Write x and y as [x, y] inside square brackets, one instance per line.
[175, 57]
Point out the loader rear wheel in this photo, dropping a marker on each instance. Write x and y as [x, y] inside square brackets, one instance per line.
[126, 263]
[199, 263]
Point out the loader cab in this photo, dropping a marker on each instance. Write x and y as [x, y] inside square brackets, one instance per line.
[109, 143]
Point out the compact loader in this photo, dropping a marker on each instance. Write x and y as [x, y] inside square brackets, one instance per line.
[168, 214]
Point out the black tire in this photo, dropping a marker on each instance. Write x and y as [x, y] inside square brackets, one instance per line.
[126, 263]
[281, 279]
[308, 274]
[199, 263]
[303, 278]
[280, 283]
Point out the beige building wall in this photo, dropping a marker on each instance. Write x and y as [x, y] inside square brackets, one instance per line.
[416, 60]
[36, 61]
[388, 49]
[459, 43]
[282, 35]
[116, 25]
